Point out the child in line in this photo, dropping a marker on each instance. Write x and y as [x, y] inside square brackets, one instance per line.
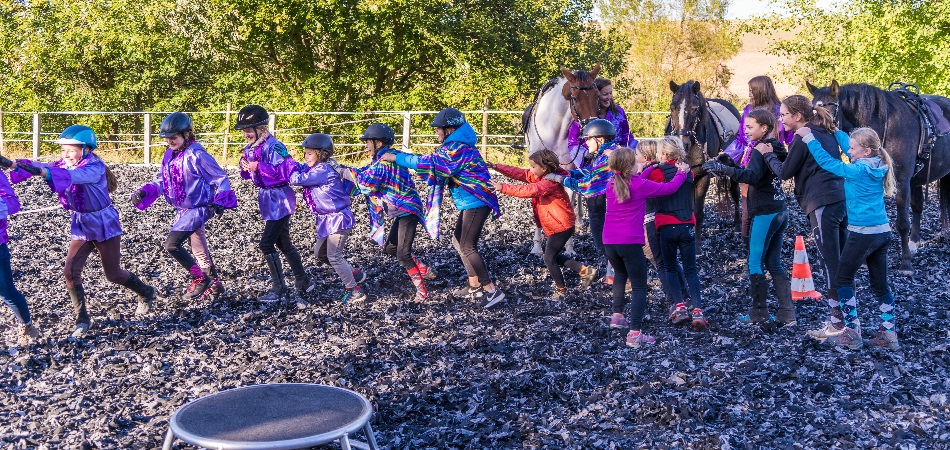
[766, 201]
[675, 223]
[391, 191]
[198, 188]
[329, 202]
[552, 209]
[458, 165]
[867, 179]
[83, 183]
[623, 233]
[819, 192]
[27, 333]
[268, 165]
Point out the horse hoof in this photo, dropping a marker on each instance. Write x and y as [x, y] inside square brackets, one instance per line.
[907, 272]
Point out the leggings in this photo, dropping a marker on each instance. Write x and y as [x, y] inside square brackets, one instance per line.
[468, 228]
[765, 243]
[174, 245]
[829, 225]
[333, 247]
[277, 236]
[597, 211]
[554, 259]
[11, 296]
[629, 263]
[109, 252]
[399, 243]
[872, 249]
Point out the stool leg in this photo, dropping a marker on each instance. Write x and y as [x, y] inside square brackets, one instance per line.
[169, 438]
[345, 442]
[370, 438]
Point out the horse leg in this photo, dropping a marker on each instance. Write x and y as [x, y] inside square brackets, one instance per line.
[569, 247]
[903, 227]
[700, 188]
[737, 215]
[916, 211]
[945, 204]
[538, 237]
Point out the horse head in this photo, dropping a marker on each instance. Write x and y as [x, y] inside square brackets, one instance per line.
[688, 114]
[828, 97]
[582, 93]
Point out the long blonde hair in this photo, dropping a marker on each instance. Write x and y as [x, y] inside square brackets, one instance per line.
[622, 162]
[671, 148]
[867, 137]
[647, 149]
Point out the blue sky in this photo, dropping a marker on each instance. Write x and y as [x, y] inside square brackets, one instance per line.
[743, 9]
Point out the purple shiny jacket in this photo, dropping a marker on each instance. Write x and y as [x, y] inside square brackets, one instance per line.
[624, 137]
[191, 181]
[328, 201]
[9, 204]
[82, 189]
[275, 197]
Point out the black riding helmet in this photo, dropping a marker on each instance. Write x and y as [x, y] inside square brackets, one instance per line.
[379, 132]
[448, 118]
[319, 141]
[251, 116]
[600, 128]
[175, 123]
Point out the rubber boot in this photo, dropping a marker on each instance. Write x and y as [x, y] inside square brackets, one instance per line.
[83, 323]
[302, 282]
[278, 288]
[145, 292]
[758, 310]
[786, 307]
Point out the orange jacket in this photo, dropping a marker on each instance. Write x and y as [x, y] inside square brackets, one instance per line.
[549, 200]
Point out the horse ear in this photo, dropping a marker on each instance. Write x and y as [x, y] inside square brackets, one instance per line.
[696, 87]
[567, 74]
[674, 87]
[835, 89]
[595, 70]
[811, 87]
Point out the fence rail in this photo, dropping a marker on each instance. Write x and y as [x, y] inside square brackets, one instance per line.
[133, 136]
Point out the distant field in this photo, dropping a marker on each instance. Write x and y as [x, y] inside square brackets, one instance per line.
[753, 60]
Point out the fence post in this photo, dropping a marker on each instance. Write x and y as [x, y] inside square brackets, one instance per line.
[2, 149]
[36, 135]
[147, 138]
[272, 123]
[227, 134]
[484, 128]
[406, 126]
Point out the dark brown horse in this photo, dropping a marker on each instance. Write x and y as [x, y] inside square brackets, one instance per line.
[906, 135]
[706, 128]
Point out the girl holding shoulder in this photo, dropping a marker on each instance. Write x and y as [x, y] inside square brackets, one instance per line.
[83, 183]
[198, 188]
[623, 233]
[552, 210]
[867, 179]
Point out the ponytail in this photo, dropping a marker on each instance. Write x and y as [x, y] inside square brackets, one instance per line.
[824, 119]
[111, 182]
[890, 181]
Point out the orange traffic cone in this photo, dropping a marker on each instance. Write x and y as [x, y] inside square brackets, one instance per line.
[803, 286]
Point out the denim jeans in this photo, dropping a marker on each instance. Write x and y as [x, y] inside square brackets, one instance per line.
[765, 243]
[681, 239]
[11, 296]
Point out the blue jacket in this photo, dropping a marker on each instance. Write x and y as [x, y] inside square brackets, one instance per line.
[863, 182]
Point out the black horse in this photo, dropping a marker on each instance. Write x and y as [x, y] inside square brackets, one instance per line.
[906, 135]
[706, 127]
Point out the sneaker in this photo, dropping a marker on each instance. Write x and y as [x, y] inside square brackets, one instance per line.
[487, 299]
[558, 294]
[358, 275]
[638, 339]
[271, 296]
[699, 321]
[198, 287]
[744, 319]
[679, 314]
[419, 297]
[790, 323]
[617, 320]
[609, 280]
[81, 329]
[886, 339]
[847, 338]
[826, 331]
[429, 273]
[355, 294]
[143, 308]
[464, 291]
[589, 279]
[214, 290]
[28, 334]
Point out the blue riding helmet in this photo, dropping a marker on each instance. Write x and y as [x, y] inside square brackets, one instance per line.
[78, 135]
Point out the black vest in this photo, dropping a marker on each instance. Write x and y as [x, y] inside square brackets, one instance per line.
[680, 203]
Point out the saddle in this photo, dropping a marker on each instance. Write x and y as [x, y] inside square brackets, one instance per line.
[933, 123]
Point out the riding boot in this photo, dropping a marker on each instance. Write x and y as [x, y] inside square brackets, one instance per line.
[758, 311]
[145, 292]
[783, 290]
[301, 279]
[278, 288]
[83, 323]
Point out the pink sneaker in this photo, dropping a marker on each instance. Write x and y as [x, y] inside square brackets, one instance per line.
[635, 339]
[617, 320]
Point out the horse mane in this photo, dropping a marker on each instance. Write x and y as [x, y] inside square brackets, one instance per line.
[866, 104]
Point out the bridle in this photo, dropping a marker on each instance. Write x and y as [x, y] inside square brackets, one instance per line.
[573, 101]
[689, 131]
